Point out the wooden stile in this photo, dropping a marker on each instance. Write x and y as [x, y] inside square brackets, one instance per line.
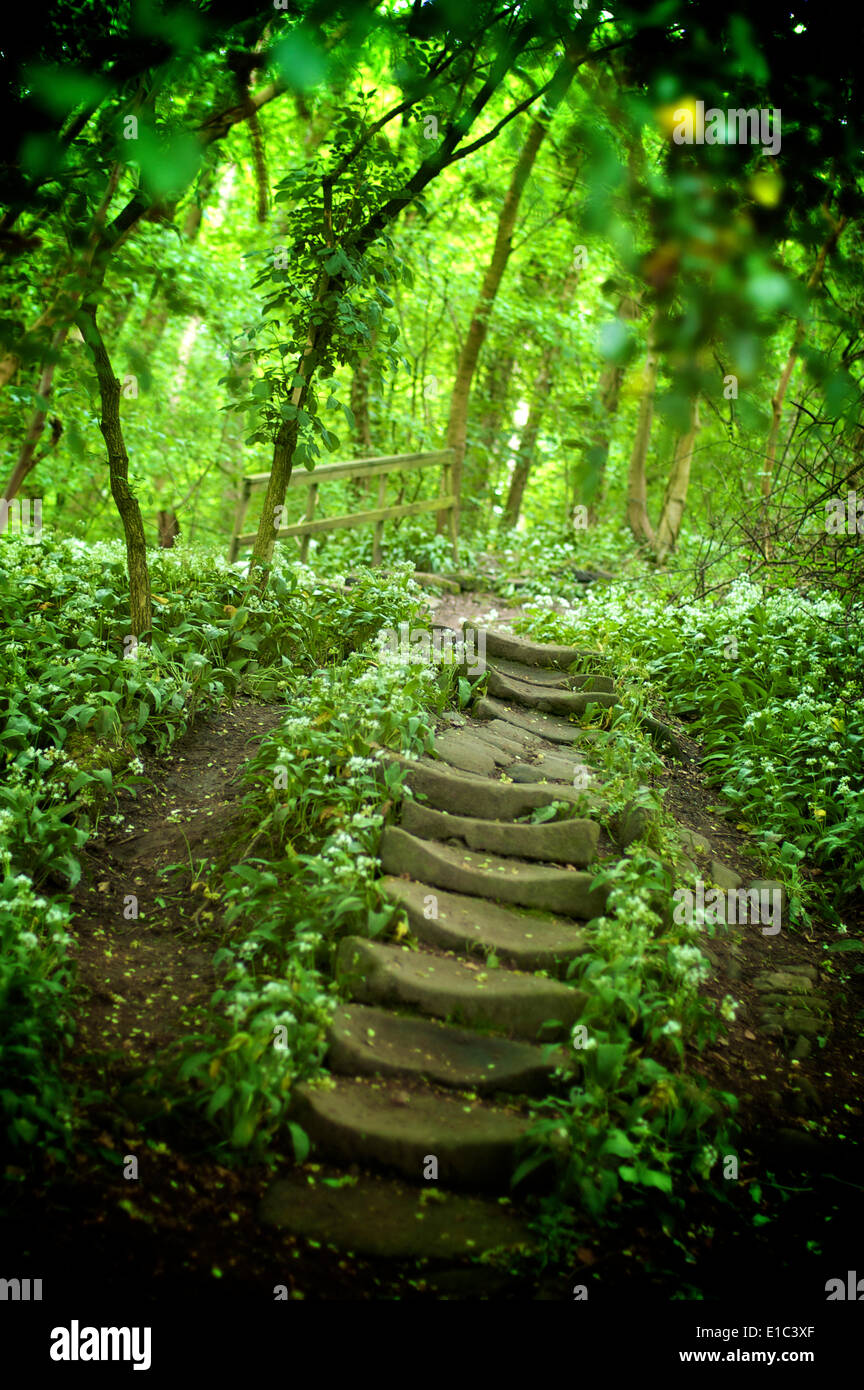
[446, 503]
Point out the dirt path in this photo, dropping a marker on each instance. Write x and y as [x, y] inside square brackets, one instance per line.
[143, 979]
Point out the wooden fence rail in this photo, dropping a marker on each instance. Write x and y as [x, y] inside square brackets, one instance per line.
[445, 503]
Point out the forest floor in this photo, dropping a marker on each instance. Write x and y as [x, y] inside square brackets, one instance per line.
[189, 1226]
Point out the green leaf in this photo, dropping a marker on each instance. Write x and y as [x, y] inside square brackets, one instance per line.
[300, 1141]
[300, 61]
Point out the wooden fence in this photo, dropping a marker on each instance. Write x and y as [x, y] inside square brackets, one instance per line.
[380, 468]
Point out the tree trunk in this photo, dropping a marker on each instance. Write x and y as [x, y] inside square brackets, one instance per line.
[360, 410]
[637, 489]
[481, 474]
[457, 425]
[118, 465]
[607, 398]
[28, 458]
[525, 453]
[785, 376]
[318, 336]
[540, 400]
[169, 528]
[675, 499]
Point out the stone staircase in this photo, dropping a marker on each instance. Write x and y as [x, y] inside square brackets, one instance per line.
[443, 1040]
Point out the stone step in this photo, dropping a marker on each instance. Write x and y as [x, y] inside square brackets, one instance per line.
[460, 750]
[555, 842]
[544, 726]
[455, 922]
[501, 757]
[532, 653]
[521, 1006]
[541, 697]
[557, 680]
[510, 731]
[559, 767]
[503, 880]
[549, 727]
[368, 1042]
[383, 1218]
[379, 1123]
[467, 795]
[527, 774]
[499, 741]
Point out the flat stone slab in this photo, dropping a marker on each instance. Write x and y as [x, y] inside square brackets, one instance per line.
[455, 922]
[555, 842]
[376, 1123]
[532, 653]
[487, 876]
[523, 736]
[548, 726]
[526, 774]
[561, 767]
[523, 1006]
[788, 980]
[696, 843]
[519, 670]
[383, 1218]
[467, 795]
[543, 698]
[724, 878]
[557, 680]
[564, 776]
[368, 1042]
[501, 757]
[436, 581]
[460, 750]
[498, 741]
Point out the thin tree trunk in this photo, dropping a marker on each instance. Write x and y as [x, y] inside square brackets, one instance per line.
[637, 488]
[525, 452]
[785, 376]
[608, 396]
[540, 400]
[457, 425]
[481, 471]
[675, 499]
[28, 458]
[169, 528]
[285, 442]
[118, 464]
[360, 410]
